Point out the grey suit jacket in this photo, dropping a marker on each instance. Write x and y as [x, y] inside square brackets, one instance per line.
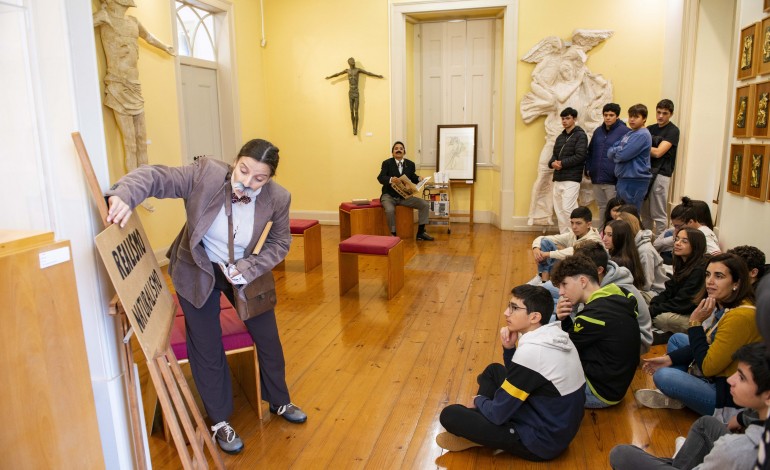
[202, 186]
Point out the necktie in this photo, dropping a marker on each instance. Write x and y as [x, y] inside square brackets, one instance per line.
[400, 168]
[244, 199]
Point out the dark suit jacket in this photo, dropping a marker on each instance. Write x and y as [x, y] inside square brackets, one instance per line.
[202, 186]
[390, 169]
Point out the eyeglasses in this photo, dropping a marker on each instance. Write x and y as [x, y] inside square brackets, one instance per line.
[513, 307]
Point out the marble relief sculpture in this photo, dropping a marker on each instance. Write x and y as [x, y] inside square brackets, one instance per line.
[561, 79]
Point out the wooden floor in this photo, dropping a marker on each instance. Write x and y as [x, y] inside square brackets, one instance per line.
[373, 375]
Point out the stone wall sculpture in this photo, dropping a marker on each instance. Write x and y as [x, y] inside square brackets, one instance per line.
[561, 79]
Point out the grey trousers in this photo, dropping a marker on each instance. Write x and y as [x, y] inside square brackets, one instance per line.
[603, 193]
[208, 362]
[389, 203]
[654, 213]
[700, 440]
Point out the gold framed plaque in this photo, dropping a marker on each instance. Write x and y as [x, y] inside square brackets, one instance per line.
[747, 52]
[735, 177]
[760, 120]
[755, 172]
[744, 101]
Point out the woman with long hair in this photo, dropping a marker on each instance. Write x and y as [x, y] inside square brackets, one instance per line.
[652, 262]
[694, 371]
[611, 211]
[670, 310]
[619, 242]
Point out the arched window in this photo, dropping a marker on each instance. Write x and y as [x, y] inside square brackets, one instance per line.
[195, 31]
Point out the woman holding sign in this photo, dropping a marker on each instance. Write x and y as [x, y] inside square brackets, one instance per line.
[219, 200]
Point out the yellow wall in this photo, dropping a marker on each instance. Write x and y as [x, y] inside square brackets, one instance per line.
[631, 59]
[322, 162]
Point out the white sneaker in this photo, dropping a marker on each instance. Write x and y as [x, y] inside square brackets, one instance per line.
[535, 281]
[657, 399]
[678, 443]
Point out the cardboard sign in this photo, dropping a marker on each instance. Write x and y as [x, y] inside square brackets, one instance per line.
[141, 288]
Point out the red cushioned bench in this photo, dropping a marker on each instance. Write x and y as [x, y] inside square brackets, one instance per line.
[310, 231]
[371, 245]
[369, 219]
[235, 338]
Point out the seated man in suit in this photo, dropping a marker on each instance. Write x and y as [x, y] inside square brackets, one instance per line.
[391, 170]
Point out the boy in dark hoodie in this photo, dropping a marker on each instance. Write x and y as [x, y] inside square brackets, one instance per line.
[605, 332]
[532, 406]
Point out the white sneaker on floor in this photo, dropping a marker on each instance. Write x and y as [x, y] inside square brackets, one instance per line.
[678, 443]
[657, 399]
[535, 281]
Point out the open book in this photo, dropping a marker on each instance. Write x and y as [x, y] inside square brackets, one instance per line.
[406, 188]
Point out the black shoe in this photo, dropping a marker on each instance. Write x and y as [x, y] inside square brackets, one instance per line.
[227, 438]
[661, 338]
[424, 236]
[290, 413]
[393, 234]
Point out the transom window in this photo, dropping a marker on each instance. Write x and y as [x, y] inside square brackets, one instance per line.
[195, 32]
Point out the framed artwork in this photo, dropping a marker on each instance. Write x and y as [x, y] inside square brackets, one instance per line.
[744, 100]
[759, 117]
[456, 153]
[735, 176]
[755, 172]
[766, 5]
[747, 63]
[763, 55]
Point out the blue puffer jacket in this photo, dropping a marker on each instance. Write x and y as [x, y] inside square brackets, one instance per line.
[599, 167]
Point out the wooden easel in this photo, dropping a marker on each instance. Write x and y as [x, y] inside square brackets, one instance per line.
[174, 394]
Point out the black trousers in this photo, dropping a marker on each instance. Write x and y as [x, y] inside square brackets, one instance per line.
[472, 425]
[208, 362]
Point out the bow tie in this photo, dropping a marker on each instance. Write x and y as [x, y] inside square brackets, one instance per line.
[244, 199]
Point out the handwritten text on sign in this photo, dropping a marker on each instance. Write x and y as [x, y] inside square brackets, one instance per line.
[140, 285]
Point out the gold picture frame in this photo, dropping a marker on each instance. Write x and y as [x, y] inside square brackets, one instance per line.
[763, 52]
[735, 171]
[755, 172]
[760, 116]
[766, 6]
[747, 52]
[744, 111]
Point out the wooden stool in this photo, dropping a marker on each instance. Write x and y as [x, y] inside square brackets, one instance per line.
[310, 230]
[365, 219]
[371, 245]
[235, 338]
[404, 222]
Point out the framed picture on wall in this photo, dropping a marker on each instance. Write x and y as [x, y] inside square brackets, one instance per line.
[763, 54]
[766, 5]
[735, 177]
[744, 101]
[747, 63]
[755, 172]
[456, 151]
[759, 118]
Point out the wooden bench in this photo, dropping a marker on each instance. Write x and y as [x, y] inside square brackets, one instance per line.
[369, 219]
[371, 245]
[310, 231]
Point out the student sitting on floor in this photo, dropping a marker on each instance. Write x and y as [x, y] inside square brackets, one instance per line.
[619, 242]
[605, 332]
[550, 248]
[694, 371]
[671, 308]
[532, 406]
[710, 444]
[652, 263]
[755, 260]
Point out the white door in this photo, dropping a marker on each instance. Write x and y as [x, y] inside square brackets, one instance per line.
[201, 112]
[456, 81]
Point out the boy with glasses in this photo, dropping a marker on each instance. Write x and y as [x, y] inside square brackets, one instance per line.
[532, 406]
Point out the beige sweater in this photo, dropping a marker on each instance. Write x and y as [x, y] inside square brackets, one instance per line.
[566, 241]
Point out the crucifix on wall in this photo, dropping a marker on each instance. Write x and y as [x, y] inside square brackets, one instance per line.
[352, 73]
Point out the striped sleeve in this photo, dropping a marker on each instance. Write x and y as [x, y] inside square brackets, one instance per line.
[520, 383]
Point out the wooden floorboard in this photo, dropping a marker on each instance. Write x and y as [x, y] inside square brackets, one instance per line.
[373, 375]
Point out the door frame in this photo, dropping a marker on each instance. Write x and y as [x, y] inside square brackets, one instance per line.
[227, 79]
[398, 17]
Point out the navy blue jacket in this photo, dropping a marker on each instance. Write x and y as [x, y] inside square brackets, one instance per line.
[599, 167]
